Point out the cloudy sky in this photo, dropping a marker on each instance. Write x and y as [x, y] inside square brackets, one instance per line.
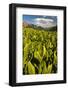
[43, 21]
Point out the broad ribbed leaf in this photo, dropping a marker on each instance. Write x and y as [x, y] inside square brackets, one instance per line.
[37, 56]
[45, 70]
[49, 68]
[31, 68]
[26, 49]
[44, 51]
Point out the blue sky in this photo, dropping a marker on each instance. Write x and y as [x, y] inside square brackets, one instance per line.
[44, 21]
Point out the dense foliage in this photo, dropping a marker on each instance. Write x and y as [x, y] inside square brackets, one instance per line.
[39, 51]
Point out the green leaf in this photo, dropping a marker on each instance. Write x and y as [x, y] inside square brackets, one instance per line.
[51, 45]
[40, 49]
[26, 49]
[44, 51]
[31, 68]
[35, 65]
[40, 69]
[49, 68]
[43, 63]
[55, 58]
[37, 56]
[45, 70]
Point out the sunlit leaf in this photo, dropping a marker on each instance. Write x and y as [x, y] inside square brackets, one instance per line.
[49, 68]
[37, 56]
[45, 70]
[44, 51]
[31, 68]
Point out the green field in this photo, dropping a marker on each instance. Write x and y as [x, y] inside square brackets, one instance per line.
[39, 51]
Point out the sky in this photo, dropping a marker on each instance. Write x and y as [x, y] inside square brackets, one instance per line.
[43, 21]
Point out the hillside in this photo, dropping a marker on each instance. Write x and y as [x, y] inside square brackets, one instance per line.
[25, 24]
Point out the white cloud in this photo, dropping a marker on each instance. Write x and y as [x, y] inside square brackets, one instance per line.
[44, 22]
[44, 19]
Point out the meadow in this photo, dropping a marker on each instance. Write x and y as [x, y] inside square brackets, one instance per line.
[39, 51]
